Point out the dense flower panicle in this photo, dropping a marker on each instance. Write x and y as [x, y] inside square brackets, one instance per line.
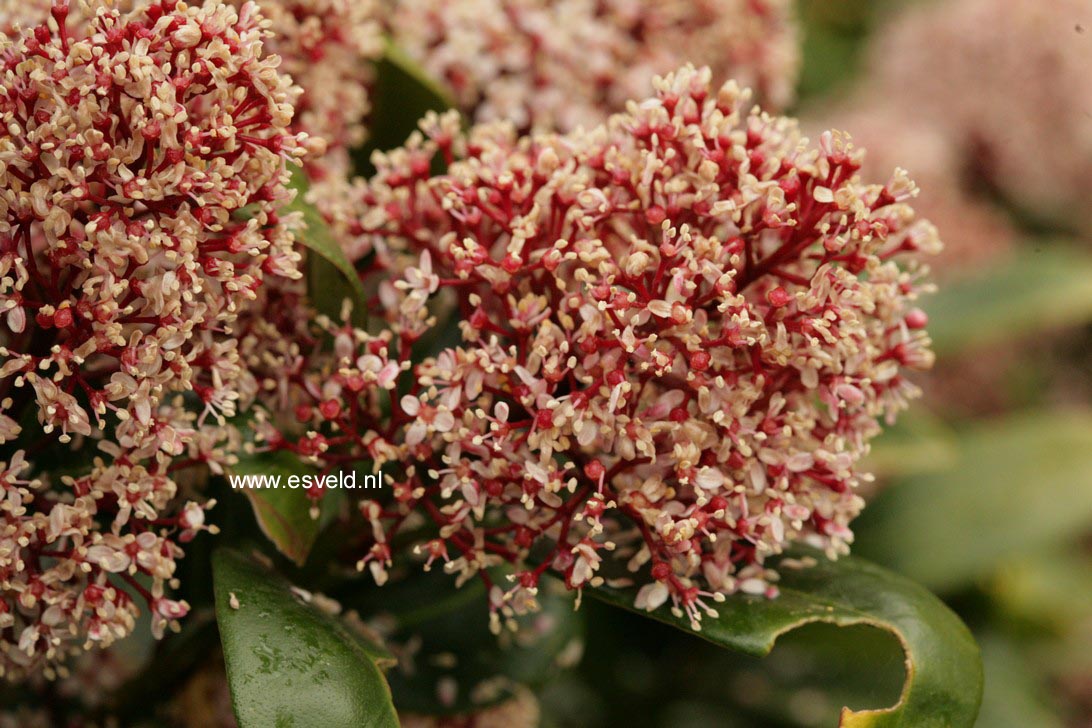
[325, 46]
[676, 335]
[1007, 80]
[548, 64]
[142, 169]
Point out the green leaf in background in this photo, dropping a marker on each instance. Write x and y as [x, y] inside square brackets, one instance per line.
[1013, 698]
[1020, 484]
[449, 628]
[331, 278]
[944, 672]
[288, 662]
[1052, 589]
[284, 514]
[402, 94]
[920, 442]
[1039, 289]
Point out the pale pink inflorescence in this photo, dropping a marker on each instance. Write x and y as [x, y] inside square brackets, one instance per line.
[1008, 82]
[676, 334]
[142, 168]
[550, 64]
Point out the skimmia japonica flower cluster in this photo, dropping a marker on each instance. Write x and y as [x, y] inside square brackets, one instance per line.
[676, 334]
[548, 64]
[142, 167]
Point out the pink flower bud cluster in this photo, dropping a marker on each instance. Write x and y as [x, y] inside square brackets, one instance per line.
[142, 167]
[546, 64]
[676, 334]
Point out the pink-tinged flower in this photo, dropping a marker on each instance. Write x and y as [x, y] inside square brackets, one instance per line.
[1007, 81]
[547, 64]
[676, 335]
[121, 193]
[142, 176]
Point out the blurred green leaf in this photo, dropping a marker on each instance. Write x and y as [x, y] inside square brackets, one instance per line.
[1051, 588]
[1020, 484]
[331, 278]
[1037, 290]
[944, 672]
[920, 442]
[1013, 697]
[402, 94]
[284, 514]
[834, 40]
[288, 663]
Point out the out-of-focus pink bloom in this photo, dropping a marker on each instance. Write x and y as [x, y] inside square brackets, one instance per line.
[1008, 81]
[564, 63]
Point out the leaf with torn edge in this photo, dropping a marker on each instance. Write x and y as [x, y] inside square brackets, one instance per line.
[943, 686]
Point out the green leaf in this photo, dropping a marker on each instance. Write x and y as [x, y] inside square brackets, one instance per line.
[331, 278]
[403, 93]
[1044, 288]
[1050, 588]
[1013, 698]
[920, 442]
[288, 663]
[1020, 484]
[944, 672]
[284, 514]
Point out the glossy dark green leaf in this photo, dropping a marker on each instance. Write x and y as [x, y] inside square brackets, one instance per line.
[944, 670]
[288, 662]
[1041, 288]
[331, 278]
[283, 513]
[1019, 484]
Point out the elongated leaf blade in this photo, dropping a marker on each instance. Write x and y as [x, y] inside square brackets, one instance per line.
[331, 278]
[403, 93]
[1044, 288]
[283, 513]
